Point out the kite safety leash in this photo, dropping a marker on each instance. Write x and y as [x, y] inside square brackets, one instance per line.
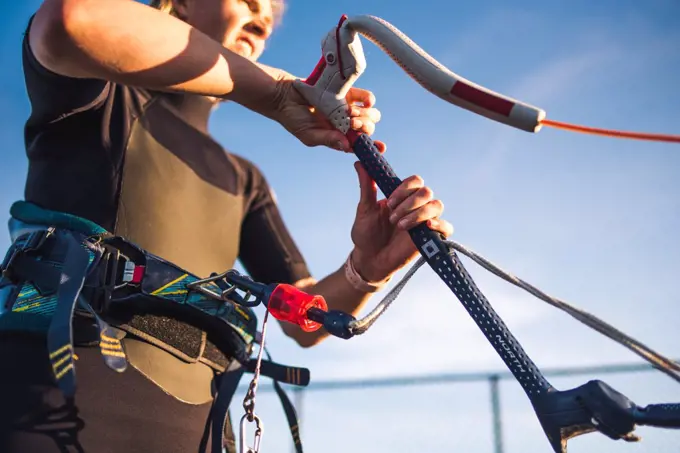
[593, 406]
[249, 401]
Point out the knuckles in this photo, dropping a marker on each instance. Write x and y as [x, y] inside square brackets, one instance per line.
[426, 193]
[438, 204]
[413, 181]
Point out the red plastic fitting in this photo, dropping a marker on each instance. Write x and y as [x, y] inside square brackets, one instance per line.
[288, 303]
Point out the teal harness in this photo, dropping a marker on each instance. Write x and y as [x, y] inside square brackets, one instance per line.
[64, 274]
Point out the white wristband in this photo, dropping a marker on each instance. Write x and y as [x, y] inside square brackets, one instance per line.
[358, 282]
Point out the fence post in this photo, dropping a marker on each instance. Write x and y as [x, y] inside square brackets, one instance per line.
[496, 413]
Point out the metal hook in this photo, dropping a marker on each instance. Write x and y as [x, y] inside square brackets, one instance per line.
[244, 448]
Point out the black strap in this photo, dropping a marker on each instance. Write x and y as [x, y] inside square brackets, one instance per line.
[290, 375]
[228, 384]
[110, 344]
[291, 416]
[60, 332]
[20, 261]
[282, 373]
[219, 410]
[46, 275]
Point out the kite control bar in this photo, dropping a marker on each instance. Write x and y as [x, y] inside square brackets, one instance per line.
[562, 414]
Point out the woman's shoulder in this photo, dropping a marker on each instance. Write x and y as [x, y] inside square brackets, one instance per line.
[54, 97]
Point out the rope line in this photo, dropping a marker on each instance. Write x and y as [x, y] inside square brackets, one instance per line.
[660, 362]
[611, 132]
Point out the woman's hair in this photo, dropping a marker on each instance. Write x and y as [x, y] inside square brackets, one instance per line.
[165, 6]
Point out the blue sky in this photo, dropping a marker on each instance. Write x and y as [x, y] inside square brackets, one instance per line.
[588, 219]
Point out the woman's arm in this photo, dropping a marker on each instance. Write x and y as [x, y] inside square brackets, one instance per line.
[133, 44]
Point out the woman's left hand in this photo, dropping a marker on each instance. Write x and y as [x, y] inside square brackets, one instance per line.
[382, 244]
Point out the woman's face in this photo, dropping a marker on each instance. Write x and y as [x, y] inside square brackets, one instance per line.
[242, 26]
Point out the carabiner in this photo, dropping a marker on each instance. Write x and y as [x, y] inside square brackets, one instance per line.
[258, 435]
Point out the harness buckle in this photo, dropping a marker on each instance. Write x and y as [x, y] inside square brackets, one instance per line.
[116, 271]
[33, 243]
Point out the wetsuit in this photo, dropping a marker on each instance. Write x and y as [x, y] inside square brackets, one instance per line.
[142, 165]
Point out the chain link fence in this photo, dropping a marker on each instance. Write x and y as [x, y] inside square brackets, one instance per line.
[477, 412]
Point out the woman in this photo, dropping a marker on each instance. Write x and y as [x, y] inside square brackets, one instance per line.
[121, 94]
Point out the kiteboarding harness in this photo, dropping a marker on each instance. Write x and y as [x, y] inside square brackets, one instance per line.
[64, 276]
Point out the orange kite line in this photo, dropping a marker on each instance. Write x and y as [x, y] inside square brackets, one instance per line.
[612, 133]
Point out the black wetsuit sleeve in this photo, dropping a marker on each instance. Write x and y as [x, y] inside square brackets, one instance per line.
[52, 96]
[267, 251]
